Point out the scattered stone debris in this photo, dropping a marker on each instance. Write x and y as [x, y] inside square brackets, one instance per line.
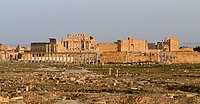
[16, 98]
[4, 99]
[143, 82]
[102, 86]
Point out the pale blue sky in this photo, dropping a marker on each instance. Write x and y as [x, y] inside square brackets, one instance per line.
[25, 21]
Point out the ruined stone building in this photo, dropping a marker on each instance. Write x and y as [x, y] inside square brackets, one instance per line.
[52, 46]
[121, 51]
[75, 48]
[107, 47]
[130, 45]
[79, 42]
[9, 53]
[167, 51]
[81, 48]
[169, 44]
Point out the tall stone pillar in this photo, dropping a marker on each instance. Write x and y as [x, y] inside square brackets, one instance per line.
[47, 56]
[78, 58]
[70, 58]
[37, 58]
[93, 58]
[85, 60]
[54, 57]
[34, 58]
[89, 58]
[58, 57]
[82, 58]
[96, 58]
[41, 58]
[74, 58]
[65, 58]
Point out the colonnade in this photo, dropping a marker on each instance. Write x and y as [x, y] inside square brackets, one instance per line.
[167, 57]
[71, 57]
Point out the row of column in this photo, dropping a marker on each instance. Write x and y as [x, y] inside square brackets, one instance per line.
[76, 58]
[167, 57]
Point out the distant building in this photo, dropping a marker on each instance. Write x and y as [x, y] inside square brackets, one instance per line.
[169, 44]
[132, 45]
[79, 42]
[52, 46]
[81, 48]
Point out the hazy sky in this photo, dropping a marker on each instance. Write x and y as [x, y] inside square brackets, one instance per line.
[25, 21]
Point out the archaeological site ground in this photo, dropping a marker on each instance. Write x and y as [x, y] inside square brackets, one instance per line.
[58, 83]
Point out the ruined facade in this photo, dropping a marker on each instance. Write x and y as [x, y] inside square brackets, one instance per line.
[79, 42]
[81, 48]
[107, 47]
[76, 48]
[9, 53]
[122, 51]
[169, 44]
[52, 46]
[132, 45]
[167, 51]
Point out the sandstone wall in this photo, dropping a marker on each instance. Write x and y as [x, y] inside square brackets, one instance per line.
[107, 47]
[124, 57]
[161, 57]
[187, 57]
[113, 57]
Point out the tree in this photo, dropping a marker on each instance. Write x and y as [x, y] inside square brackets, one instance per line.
[197, 48]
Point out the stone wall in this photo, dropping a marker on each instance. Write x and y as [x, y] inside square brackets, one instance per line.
[139, 46]
[187, 57]
[39, 47]
[160, 57]
[113, 57]
[107, 47]
[123, 45]
[132, 45]
[128, 57]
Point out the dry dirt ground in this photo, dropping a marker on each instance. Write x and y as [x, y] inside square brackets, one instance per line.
[31, 83]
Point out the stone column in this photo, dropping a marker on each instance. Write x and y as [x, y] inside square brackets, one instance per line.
[47, 56]
[93, 58]
[78, 58]
[89, 58]
[53, 57]
[42, 57]
[34, 58]
[65, 58]
[56, 57]
[37, 57]
[85, 60]
[74, 58]
[96, 58]
[70, 58]
[59, 57]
